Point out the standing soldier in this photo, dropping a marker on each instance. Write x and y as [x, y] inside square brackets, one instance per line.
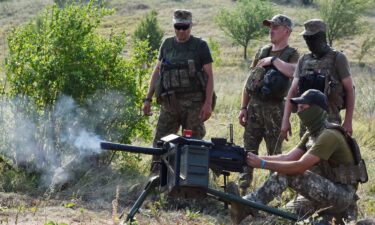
[262, 102]
[324, 69]
[182, 82]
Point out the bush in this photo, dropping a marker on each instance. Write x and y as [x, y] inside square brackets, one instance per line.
[245, 22]
[68, 87]
[149, 29]
[343, 17]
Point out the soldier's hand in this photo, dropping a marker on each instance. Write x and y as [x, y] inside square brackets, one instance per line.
[264, 62]
[348, 127]
[206, 112]
[285, 130]
[242, 117]
[253, 160]
[147, 108]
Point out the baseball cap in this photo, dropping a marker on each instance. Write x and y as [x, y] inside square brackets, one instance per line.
[312, 97]
[280, 20]
[182, 16]
[313, 26]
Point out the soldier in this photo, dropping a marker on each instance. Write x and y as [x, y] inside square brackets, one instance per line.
[321, 168]
[182, 82]
[324, 69]
[262, 102]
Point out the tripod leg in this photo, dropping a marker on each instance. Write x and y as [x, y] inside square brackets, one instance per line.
[150, 186]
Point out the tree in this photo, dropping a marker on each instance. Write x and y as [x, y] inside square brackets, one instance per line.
[343, 17]
[245, 22]
[67, 85]
[149, 29]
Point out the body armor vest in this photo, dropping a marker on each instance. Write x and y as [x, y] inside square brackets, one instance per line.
[321, 74]
[275, 85]
[344, 174]
[178, 70]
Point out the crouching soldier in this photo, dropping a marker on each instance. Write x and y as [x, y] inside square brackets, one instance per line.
[324, 168]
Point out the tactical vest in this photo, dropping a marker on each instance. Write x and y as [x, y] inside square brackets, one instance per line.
[255, 81]
[345, 174]
[321, 74]
[178, 70]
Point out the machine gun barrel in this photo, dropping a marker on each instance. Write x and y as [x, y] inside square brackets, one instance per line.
[129, 148]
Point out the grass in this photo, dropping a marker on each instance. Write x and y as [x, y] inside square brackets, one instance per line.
[233, 71]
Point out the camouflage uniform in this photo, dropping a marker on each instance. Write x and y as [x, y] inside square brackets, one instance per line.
[264, 115]
[186, 116]
[315, 193]
[318, 189]
[332, 67]
[180, 88]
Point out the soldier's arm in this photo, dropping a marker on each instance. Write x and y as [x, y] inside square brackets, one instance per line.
[151, 89]
[349, 100]
[154, 76]
[207, 106]
[305, 162]
[284, 67]
[242, 116]
[285, 124]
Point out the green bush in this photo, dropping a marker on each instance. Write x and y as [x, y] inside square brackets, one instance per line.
[67, 84]
[343, 17]
[244, 23]
[149, 29]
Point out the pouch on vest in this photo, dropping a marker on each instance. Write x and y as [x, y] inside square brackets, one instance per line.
[313, 80]
[275, 84]
[255, 79]
[203, 79]
[359, 171]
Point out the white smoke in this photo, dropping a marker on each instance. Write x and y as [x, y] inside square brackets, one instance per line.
[49, 141]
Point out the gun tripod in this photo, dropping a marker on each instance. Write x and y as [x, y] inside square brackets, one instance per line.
[154, 182]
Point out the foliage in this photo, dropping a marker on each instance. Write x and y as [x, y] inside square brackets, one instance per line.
[64, 3]
[149, 29]
[64, 79]
[245, 21]
[215, 51]
[366, 48]
[343, 17]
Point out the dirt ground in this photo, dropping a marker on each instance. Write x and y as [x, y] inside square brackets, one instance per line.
[21, 209]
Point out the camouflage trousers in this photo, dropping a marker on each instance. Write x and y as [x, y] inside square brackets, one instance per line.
[184, 114]
[263, 122]
[315, 194]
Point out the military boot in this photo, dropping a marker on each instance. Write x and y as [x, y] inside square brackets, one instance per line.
[238, 212]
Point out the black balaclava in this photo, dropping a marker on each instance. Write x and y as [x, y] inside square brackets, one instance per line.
[314, 118]
[317, 44]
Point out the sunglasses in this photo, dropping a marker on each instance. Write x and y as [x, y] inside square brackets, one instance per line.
[181, 26]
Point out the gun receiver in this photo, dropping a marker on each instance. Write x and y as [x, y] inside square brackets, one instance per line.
[184, 169]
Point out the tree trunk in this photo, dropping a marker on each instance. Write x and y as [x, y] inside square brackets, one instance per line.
[245, 52]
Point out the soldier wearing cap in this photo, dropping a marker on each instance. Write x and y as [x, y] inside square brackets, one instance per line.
[324, 69]
[182, 81]
[314, 169]
[262, 101]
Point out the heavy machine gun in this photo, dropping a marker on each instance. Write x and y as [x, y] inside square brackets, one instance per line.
[184, 169]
